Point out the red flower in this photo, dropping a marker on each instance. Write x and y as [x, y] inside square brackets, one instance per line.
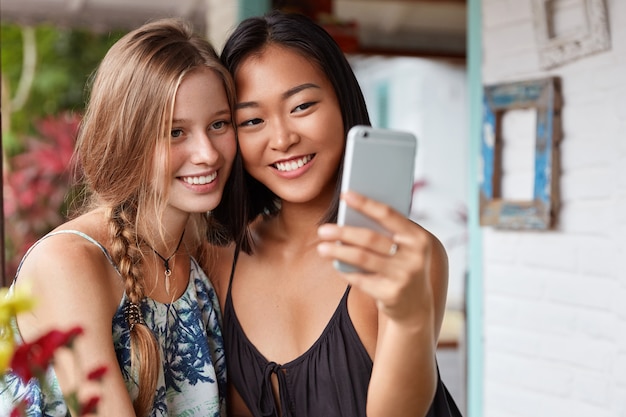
[97, 373]
[56, 338]
[90, 406]
[20, 363]
[32, 359]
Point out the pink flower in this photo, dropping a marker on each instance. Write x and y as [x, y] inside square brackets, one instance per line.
[36, 182]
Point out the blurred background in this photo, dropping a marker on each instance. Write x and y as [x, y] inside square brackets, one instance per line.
[536, 319]
[50, 48]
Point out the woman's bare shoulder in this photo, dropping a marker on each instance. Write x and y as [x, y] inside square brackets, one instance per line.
[64, 249]
[73, 247]
[71, 279]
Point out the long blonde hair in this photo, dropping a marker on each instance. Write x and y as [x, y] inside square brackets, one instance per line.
[127, 118]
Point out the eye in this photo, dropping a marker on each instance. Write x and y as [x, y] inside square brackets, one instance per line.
[176, 133]
[219, 125]
[251, 122]
[303, 107]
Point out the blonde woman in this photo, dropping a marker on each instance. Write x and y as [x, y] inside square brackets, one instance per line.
[155, 148]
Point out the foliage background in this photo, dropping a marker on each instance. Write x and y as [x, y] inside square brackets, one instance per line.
[65, 60]
[35, 135]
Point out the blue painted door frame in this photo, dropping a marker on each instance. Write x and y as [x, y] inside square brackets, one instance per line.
[248, 8]
[474, 288]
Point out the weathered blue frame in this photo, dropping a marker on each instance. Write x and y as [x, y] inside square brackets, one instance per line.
[540, 212]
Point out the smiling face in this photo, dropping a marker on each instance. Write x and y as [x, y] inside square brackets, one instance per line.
[202, 143]
[289, 124]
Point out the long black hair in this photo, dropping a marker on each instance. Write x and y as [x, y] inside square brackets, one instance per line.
[302, 35]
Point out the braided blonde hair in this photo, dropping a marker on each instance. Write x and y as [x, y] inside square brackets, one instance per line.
[128, 120]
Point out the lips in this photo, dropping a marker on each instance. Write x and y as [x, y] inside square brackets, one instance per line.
[200, 180]
[293, 164]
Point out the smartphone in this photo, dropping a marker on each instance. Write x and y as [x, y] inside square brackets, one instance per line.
[380, 164]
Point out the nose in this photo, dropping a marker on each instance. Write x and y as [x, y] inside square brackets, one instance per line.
[282, 136]
[204, 151]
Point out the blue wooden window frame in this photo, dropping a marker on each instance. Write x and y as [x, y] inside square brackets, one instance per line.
[540, 212]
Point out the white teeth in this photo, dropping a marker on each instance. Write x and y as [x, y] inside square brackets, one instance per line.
[200, 180]
[292, 165]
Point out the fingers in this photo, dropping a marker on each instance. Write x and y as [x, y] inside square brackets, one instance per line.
[374, 252]
[357, 245]
[397, 282]
[396, 263]
[371, 245]
[386, 216]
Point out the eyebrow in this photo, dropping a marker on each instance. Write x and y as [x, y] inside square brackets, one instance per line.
[289, 93]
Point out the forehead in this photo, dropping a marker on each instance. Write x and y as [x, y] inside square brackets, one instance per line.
[274, 70]
[201, 85]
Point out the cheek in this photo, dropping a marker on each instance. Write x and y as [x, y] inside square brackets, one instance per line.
[251, 151]
[228, 148]
[336, 119]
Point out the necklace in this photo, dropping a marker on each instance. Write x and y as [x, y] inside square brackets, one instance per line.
[166, 263]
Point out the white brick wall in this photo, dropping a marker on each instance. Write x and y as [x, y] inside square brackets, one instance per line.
[555, 302]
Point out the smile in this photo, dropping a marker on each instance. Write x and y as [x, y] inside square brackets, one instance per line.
[294, 164]
[205, 179]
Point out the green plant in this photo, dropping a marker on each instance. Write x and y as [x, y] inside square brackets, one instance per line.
[44, 72]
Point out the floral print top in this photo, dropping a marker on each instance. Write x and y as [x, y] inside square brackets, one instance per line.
[192, 373]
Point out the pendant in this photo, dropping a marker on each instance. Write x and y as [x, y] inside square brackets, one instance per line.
[168, 273]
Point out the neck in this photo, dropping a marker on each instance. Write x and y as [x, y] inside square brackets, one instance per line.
[306, 214]
[164, 236]
[295, 225]
[169, 247]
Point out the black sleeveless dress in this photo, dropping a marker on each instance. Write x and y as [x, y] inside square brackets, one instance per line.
[329, 380]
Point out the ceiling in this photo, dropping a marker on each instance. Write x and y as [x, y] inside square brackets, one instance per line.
[401, 27]
[101, 14]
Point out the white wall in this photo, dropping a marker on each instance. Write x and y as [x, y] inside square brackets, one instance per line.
[555, 302]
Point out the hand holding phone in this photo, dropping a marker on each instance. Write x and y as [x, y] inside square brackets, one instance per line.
[379, 164]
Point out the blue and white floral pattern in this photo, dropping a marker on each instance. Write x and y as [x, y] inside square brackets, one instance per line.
[192, 375]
